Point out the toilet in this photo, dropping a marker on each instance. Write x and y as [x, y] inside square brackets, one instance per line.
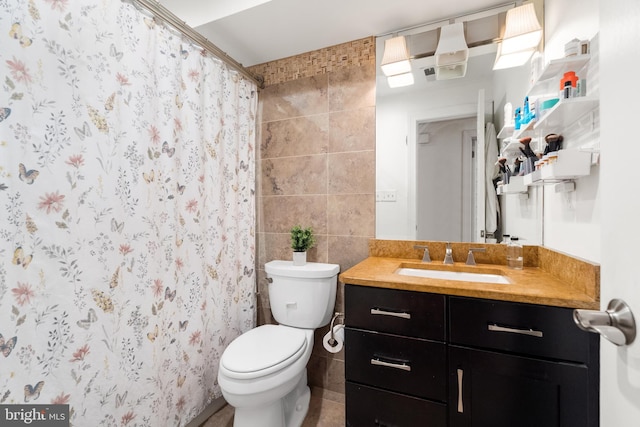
[263, 372]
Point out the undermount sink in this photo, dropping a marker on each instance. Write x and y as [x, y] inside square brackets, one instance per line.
[462, 276]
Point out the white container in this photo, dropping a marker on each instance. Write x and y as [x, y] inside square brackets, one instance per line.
[572, 48]
[299, 258]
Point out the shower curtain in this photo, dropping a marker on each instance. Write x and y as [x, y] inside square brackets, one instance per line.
[126, 213]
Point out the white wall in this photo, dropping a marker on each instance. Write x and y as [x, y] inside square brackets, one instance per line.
[572, 220]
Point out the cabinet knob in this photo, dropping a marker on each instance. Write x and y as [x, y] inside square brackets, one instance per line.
[615, 324]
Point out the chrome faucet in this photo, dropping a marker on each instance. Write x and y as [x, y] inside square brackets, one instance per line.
[448, 257]
[425, 257]
[470, 259]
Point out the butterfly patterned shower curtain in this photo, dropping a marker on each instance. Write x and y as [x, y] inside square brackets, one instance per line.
[127, 213]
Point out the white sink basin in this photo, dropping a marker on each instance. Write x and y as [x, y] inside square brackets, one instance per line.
[454, 275]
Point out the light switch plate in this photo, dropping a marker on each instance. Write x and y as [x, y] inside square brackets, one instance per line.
[386, 196]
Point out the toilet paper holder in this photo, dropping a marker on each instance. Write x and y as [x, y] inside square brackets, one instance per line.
[332, 340]
[616, 324]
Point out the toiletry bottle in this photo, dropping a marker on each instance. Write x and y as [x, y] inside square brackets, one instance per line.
[567, 91]
[514, 254]
[508, 114]
[526, 117]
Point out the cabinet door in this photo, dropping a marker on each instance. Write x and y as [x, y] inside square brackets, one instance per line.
[488, 389]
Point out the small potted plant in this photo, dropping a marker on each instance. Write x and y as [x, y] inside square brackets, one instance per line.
[302, 239]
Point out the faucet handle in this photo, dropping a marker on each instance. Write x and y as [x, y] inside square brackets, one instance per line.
[470, 258]
[448, 255]
[425, 257]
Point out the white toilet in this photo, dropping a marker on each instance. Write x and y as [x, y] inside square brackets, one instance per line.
[263, 372]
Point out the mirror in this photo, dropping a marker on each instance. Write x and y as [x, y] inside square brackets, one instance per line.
[428, 165]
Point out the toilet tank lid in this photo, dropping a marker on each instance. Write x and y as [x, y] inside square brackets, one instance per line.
[313, 270]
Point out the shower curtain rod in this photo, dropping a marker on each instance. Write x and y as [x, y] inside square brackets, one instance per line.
[168, 17]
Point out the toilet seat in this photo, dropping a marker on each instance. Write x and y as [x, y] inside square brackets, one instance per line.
[262, 351]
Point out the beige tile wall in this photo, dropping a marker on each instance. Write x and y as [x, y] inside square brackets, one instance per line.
[317, 168]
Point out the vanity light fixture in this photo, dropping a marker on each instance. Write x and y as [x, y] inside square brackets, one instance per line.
[452, 52]
[396, 64]
[521, 38]
[395, 59]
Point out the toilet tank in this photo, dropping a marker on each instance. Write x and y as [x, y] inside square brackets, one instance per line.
[302, 296]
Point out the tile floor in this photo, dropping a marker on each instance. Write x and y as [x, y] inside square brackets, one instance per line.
[322, 413]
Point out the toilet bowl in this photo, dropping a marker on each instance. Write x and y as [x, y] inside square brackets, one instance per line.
[262, 373]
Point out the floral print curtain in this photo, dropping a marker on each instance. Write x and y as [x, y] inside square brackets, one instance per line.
[126, 213]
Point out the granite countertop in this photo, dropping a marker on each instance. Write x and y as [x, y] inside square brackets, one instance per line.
[561, 281]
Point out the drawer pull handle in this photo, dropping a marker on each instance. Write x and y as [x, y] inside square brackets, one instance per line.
[401, 366]
[400, 314]
[530, 332]
[460, 405]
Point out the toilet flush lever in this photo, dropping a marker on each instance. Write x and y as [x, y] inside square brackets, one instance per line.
[616, 324]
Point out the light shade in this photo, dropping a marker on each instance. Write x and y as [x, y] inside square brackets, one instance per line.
[522, 36]
[522, 30]
[395, 59]
[452, 47]
[452, 52]
[400, 80]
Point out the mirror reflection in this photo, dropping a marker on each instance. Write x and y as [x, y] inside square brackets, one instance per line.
[437, 145]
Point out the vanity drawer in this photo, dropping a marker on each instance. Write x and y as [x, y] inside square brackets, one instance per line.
[519, 328]
[414, 314]
[368, 406]
[406, 365]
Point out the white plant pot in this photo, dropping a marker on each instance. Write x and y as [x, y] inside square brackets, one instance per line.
[299, 258]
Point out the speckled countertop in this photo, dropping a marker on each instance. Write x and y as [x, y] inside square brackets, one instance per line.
[549, 277]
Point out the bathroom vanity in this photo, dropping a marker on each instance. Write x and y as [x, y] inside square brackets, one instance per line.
[422, 351]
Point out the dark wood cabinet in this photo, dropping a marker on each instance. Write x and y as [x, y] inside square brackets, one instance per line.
[436, 360]
[395, 358]
[520, 364]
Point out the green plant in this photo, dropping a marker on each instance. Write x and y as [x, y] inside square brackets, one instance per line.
[302, 238]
